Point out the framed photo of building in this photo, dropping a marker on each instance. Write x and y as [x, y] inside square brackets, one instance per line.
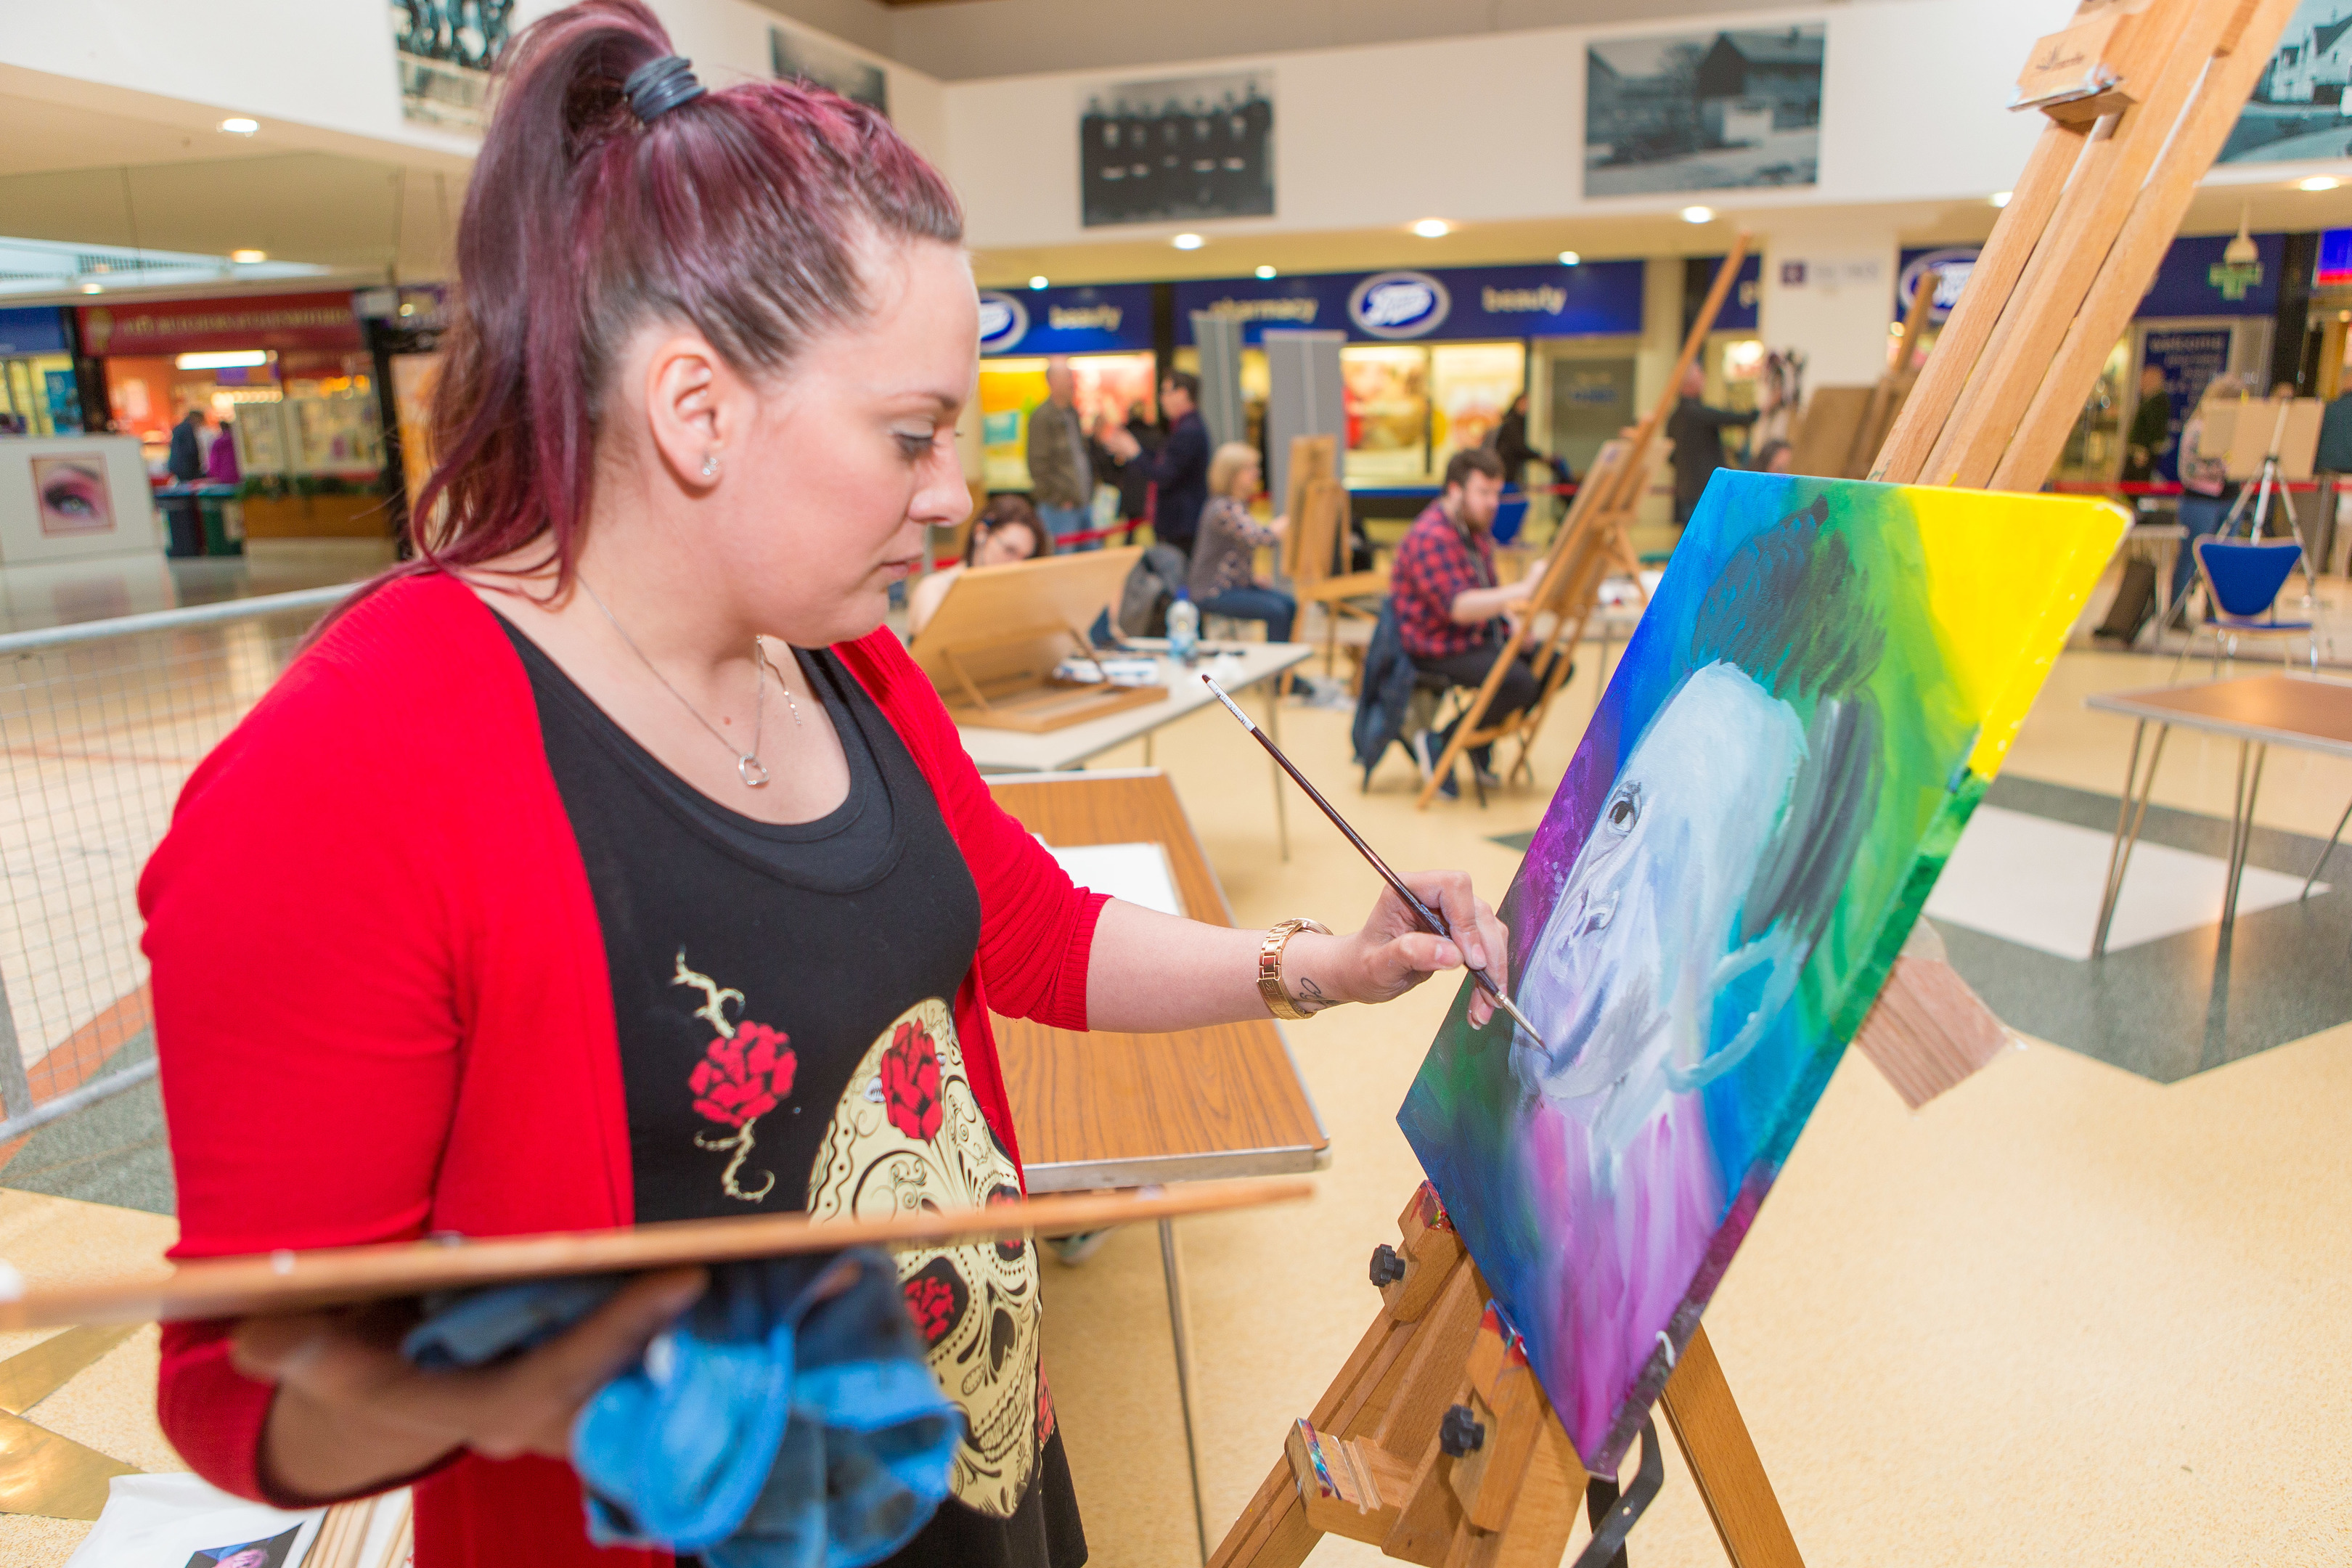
[1178, 149]
[1709, 111]
[799, 56]
[2301, 110]
[445, 49]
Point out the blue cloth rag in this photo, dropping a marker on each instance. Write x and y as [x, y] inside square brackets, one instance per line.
[786, 1421]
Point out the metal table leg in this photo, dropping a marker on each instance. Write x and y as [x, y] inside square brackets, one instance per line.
[2242, 831]
[1274, 733]
[2324, 854]
[2128, 826]
[1173, 1268]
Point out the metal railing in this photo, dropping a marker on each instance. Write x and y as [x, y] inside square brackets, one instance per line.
[100, 724]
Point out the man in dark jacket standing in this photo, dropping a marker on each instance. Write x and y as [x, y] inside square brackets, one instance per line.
[2151, 427]
[185, 462]
[1697, 431]
[1180, 468]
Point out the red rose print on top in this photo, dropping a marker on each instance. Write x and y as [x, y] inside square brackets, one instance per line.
[910, 1082]
[744, 1074]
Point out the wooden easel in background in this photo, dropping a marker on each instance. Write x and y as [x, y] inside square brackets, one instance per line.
[1592, 545]
[1313, 553]
[1434, 1441]
[1843, 426]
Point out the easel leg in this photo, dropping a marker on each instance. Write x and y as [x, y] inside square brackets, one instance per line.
[1722, 1460]
[1172, 1268]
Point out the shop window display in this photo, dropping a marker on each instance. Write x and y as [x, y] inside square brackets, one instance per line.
[1114, 384]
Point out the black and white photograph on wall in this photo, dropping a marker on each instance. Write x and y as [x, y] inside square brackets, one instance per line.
[445, 49]
[2300, 110]
[1710, 110]
[798, 55]
[1166, 152]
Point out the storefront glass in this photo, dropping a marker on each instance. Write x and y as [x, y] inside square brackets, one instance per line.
[1112, 386]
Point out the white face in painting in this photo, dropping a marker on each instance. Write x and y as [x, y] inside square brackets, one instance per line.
[1622, 978]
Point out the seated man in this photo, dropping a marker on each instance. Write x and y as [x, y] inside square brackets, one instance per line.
[1449, 611]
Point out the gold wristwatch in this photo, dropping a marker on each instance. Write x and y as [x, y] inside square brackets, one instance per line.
[1269, 966]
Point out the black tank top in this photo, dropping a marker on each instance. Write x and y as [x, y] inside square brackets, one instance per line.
[784, 998]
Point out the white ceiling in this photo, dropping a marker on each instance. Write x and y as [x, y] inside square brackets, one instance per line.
[965, 39]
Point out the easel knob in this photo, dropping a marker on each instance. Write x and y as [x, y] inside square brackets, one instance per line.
[1460, 1434]
[1387, 1267]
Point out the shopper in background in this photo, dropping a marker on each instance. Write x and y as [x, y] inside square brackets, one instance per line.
[1131, 477]
[1449, 610]
[1511, 446]
[1006, 531]
[220, 463]
[1061, 475]
[1697, 430]
[185, 461]
[1225, 555]
[2206, 488]
[1775, 457]
[2151, 427]
[1180, 468]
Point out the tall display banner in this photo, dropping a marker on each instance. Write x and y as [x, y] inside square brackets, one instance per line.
[1220, 342]
[1306, 397]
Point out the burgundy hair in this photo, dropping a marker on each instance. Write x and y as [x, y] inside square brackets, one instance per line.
[740, 214]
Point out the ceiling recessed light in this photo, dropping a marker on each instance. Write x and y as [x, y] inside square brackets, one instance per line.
[1188, 242]
[238, 125]
[1038, 281]
[1698, 215]
[1569, 258]
[1433, 228]
[93, 287]
[247, 258]
[2318, 183]
[2001, 198]
[1265, 271]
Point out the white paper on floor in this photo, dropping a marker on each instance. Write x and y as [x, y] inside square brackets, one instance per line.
[2028, 879]
[151, 1522]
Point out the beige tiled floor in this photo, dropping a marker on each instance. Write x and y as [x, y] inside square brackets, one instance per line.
[2061, 1315]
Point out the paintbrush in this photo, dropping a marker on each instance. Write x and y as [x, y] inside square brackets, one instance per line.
[1431, 920]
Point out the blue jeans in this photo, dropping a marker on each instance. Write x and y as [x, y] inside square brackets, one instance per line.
[2201, 516]
[1062, 521]
[1272, 606]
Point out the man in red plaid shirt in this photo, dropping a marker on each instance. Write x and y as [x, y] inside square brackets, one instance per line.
[1449, 611]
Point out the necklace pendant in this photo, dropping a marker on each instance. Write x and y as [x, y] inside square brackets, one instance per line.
[752, 771]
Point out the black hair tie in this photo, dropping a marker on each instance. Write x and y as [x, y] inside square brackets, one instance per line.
[659, 86]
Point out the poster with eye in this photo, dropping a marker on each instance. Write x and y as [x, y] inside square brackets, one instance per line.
[70, 492]
[1812, 704]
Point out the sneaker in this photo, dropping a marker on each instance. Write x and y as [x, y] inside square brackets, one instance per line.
[1490, 779]
[1451, 788]
[1072, 1250]
[1418, 747]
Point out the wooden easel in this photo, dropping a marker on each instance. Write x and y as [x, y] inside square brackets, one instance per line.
[1312, 559]
[1436, 1445]
[1843, 426]
[2071, 256]
[1592, 545]
[994, 645]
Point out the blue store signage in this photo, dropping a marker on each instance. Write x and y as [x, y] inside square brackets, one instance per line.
[1952, 266]
[1743, 307]
[2192, 280]
[32, 330]
[1105, 319]
[1596, 298]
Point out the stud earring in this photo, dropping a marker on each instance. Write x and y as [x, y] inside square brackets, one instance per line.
[710, 465]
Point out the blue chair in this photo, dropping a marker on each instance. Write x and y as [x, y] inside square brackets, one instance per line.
[2242, 578]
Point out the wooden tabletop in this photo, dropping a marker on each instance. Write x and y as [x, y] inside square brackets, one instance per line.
[1114, 1110]
[1014, 752]
[2274, 710]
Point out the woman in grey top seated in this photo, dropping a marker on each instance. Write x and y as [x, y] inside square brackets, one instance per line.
[1224, 580]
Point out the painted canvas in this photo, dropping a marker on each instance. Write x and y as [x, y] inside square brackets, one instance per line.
[1824, 683]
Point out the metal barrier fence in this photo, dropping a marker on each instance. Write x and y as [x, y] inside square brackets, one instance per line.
[100, 724]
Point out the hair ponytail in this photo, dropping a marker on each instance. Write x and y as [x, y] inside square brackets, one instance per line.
[738, 212]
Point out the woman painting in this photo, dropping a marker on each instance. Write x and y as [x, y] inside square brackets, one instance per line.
[507, 910]
[1224, 580]
[1006, 532]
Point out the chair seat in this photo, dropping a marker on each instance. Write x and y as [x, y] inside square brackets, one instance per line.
[2244, 623]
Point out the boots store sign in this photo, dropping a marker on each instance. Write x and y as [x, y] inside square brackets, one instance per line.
[1110, 319]
[1595, 299]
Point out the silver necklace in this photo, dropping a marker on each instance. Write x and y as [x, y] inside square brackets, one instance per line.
[748, 765]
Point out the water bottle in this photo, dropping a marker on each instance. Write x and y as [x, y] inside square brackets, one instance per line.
[1183, 628]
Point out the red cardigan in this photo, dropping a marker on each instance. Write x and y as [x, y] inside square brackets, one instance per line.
[382, 1005]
